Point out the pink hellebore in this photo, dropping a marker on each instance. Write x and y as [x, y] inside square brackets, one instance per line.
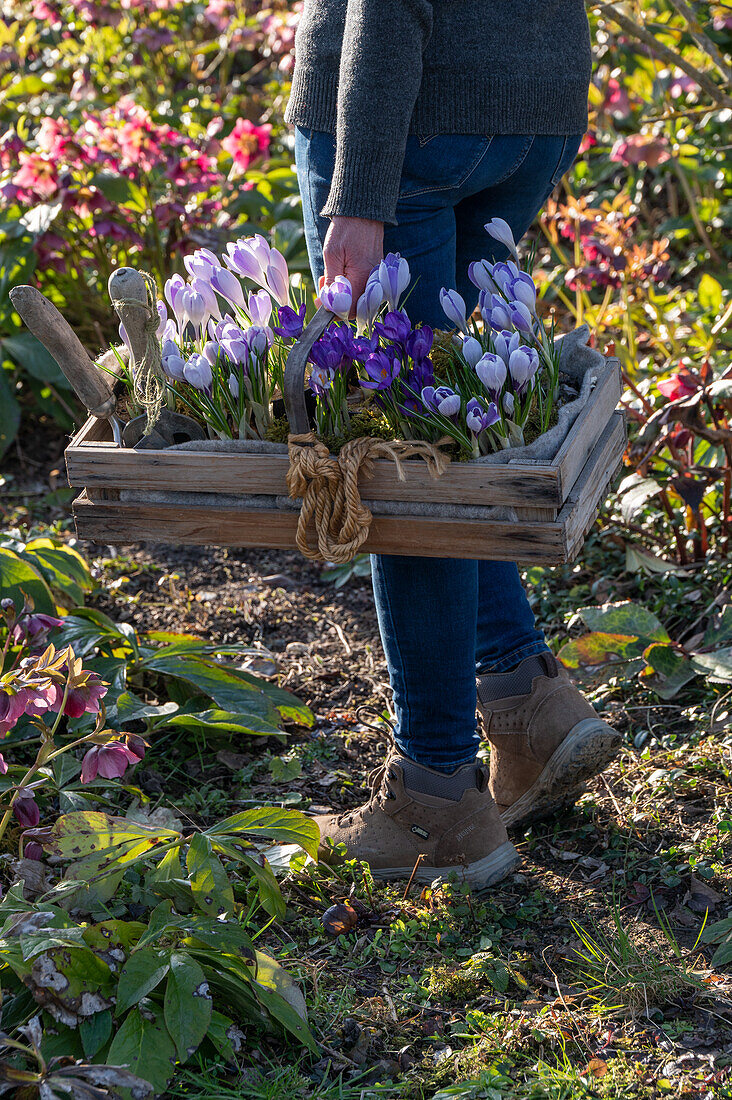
[112, 760]
[640, 149]
[246, 143]
[34, 629]
[26, 809]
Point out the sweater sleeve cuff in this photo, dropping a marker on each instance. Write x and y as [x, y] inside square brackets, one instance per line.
[365, 184]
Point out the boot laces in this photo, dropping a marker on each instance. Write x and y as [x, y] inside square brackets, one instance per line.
[380, 780]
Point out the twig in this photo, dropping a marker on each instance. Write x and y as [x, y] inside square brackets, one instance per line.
[665, 53]
[420, 857]
[614, 800]
[341, 635]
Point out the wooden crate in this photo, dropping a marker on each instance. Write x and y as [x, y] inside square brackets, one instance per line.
[555, 502]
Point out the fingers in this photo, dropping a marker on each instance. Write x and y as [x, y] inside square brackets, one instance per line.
[353, 247]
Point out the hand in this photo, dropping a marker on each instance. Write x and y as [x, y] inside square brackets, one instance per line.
[353, 247]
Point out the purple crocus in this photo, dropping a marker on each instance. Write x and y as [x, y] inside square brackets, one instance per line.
[321, 379]
[419, 343]
[193, 306]
[201, 263]
[396, 327]
[394, 278]
[234, 342]
[382, 369]
[291, 324]
[258, 340]
[173, 362]
[245, 260]
[480, 273]
[521, 317]
[327, 353]
[259, 308]
[494, 311]
[370, 302]
[453, 306]
[500, 230]
[523, 289]
[337, 297]
[421, 375]
[504, 343]
[509, 403]
[225, 283]
[523, 364]
[442, 400]
[163, 315]
[277, 277]
[197, 371]
[504, 274]
[233, 386]
[472, 350]
[478, 417]
[492, 372]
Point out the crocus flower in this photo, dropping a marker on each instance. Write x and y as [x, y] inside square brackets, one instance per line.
[193, 306]
[291, 323]
[246, 261]
[174, 287]
[504, 343]
[278, 277]
[34, 629]
[163, 315]
[396, 327]
[225, 283]
[522, 289]
[111, 761]
[504, 274]
[211, 351]
[202, 263]
[472, 350]
[509, 403]
[480, 273]
[321, 379]
[492, 372]
[337, 297]
[500, 230]
[478, 418]
[258, 340]
[521, 317]
[26, 809]
[206, 291]
[419, 343]
[420, 376]
[394, 278]
[494, 311]
[173, 366]
[259, 308]
[233, 341]
[197, 371]
[234, 386]
[442, 400]
[453, 306]
[369, 303]
[382, 369]
[523, 364]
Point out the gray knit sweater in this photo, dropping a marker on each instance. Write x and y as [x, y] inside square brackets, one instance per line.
[373, 71]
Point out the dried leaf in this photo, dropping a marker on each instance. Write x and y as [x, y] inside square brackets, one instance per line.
[339, 919]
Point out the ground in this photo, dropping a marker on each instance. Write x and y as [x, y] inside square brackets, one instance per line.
[582, 974]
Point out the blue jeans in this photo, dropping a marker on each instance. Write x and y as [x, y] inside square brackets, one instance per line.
[444, 619]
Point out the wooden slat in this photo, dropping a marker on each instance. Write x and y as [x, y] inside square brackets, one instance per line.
[590, 489]
[119, 522]
[571, 457]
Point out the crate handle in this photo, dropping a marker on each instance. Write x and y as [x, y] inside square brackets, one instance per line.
[294, 381]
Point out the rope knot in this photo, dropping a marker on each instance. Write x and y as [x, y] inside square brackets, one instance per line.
[329, 489]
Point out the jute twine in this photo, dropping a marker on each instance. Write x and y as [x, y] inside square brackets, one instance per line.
[148, 380]
[328, 486]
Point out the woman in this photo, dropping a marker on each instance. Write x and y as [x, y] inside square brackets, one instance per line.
[417, 121]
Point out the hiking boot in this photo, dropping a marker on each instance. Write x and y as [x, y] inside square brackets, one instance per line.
[451, 821]
[545, 738]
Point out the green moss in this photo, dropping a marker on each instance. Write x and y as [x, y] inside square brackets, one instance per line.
[278, 430]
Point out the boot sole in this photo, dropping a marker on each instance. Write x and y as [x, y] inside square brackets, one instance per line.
[480, 874]
[586, 751]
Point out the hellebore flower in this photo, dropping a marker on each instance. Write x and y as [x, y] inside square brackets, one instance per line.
[3, 765]
[453, 306]
[321, 379]
[492, 372]
[291, 323]
[337, 297]
[33, 850]
[419, 343]
[259, 308]
[478, 418]
[26, 809]
[523, 364]
[394, 278]
[34, 629]
[500, 230]
[111, 761]
[396, 327]
[278, 277]
[472, 351]
[369, 303]
[480, 273]
[225, 283]
[197, 371]
[442, 400]
[382, 369]
[12, 706]
[504, 343]
[494, 311]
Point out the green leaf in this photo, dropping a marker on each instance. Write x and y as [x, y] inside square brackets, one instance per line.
[227, 690]
[667, 670]
[636, 495]
[19, 578]
[225, 1036]
[63, 568]
[145, 1048]
[187, 1005]
[9, 412]
[143, 971]
[721, 632]
[639, 560]
[227, 723]
[95, 1032]
[267, 885]
[624, 618]
[710, 294]
[716, 666]
[107, 839]
[274, 824]
[114, 187]
[282, 771]
[210, 884]
[283, 999]
[31, 356]
[597, 649]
